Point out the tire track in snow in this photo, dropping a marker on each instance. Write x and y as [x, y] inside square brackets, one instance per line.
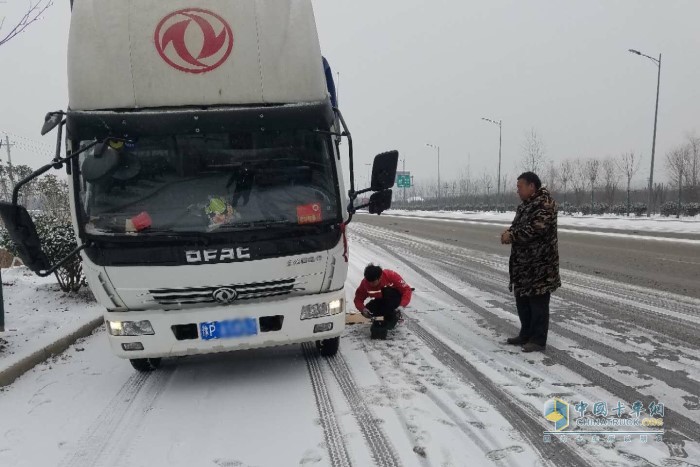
[331, 430]
[558, 453]
[381, 449]
[678, 422]
[410, 377]
[97, 444]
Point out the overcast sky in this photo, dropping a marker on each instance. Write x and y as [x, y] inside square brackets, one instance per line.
[415, 72]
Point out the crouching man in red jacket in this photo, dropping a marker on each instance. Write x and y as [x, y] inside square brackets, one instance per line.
[389, 295]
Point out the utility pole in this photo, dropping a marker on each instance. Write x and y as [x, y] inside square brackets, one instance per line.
[2, 301]
[10, 173]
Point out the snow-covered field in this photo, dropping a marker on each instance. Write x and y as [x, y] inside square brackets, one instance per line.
[442, 391]
[640, 224]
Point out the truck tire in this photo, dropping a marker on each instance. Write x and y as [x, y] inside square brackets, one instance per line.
[145, 364]
[328, 347]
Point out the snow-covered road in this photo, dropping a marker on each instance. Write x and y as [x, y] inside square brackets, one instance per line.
[444, 390]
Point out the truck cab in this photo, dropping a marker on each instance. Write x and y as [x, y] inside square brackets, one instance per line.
[207, 190]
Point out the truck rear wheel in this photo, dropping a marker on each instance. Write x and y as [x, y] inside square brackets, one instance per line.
[328, 347]
[145, 364]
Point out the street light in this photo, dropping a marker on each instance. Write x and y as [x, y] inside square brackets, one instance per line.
[657, 62]
[403, 160]
[438, 154]
[500, 145]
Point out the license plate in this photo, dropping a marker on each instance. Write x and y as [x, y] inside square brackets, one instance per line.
[230, 329]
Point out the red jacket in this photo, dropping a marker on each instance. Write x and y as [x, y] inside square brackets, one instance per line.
[388, 279]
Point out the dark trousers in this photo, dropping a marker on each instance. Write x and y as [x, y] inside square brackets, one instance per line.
[534, 318]
[386, 306]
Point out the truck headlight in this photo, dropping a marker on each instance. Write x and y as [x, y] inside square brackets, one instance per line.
[317, 310]
[336, 306]
[130, 328]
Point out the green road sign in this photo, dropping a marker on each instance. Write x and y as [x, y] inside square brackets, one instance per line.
[403, 179]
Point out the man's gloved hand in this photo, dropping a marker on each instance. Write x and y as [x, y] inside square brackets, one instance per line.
[366, 313]
[401, 309]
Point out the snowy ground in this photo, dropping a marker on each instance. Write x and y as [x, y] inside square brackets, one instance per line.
[37, 313]
[443, 391]
[640, 224]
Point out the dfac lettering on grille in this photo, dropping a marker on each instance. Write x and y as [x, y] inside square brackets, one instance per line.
[222, 255]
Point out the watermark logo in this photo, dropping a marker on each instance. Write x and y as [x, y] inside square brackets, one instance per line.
[557, 412]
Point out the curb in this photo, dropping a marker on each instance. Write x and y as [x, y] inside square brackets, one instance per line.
[9, 375]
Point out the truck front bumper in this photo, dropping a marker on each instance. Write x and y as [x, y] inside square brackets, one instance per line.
[179, 332]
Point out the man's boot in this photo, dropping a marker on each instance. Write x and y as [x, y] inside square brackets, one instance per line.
[516, 341]
[378, 330]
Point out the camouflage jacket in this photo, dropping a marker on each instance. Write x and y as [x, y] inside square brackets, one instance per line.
[534, 257]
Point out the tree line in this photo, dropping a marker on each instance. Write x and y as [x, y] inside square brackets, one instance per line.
[609, 185]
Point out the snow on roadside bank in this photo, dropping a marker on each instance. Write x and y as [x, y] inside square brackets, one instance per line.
[37, 313]
[654, 224]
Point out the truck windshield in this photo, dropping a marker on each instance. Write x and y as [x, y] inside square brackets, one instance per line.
[213, 182]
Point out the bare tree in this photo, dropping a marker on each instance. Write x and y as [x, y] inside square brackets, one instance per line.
[579, 180]
[694, 148]
[592, 170]
[35, 8]
[551, 177]
[486, 182]
[628, 164]
[678, 164]
[611, 177]
[658, 194]
[533, 152]
[566, 174]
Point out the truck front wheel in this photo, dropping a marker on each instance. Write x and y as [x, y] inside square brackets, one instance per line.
[145, 364]
[328, 347]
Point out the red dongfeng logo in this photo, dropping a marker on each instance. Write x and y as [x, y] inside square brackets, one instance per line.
[194, 40]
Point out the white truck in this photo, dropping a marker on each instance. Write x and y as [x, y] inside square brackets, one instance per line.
[203, 153]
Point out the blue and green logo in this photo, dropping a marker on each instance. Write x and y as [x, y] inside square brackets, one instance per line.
[557, 412]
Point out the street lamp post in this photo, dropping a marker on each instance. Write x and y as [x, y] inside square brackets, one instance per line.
[500, 145]
[404, 188]
[438, 159]
[657, 62]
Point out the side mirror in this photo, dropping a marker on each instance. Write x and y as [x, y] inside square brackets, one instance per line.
[51, 121]
[103, 162]
[380, 202]
[23, 233]
[384, 170]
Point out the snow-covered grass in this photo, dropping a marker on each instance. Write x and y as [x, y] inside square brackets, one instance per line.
[688, 225]
[37, 313]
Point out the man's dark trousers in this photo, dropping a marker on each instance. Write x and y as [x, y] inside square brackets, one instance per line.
[386, 306]
[534, 318]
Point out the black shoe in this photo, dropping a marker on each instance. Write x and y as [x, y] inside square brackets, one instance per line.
[532, 347]
[378, 332]
[516, 341]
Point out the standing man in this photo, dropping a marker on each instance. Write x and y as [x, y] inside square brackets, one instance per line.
[534, 261]
[390, 295]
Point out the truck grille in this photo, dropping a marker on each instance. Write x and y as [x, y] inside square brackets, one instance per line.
[196, 295]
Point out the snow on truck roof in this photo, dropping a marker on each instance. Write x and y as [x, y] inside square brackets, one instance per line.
[126, 54]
